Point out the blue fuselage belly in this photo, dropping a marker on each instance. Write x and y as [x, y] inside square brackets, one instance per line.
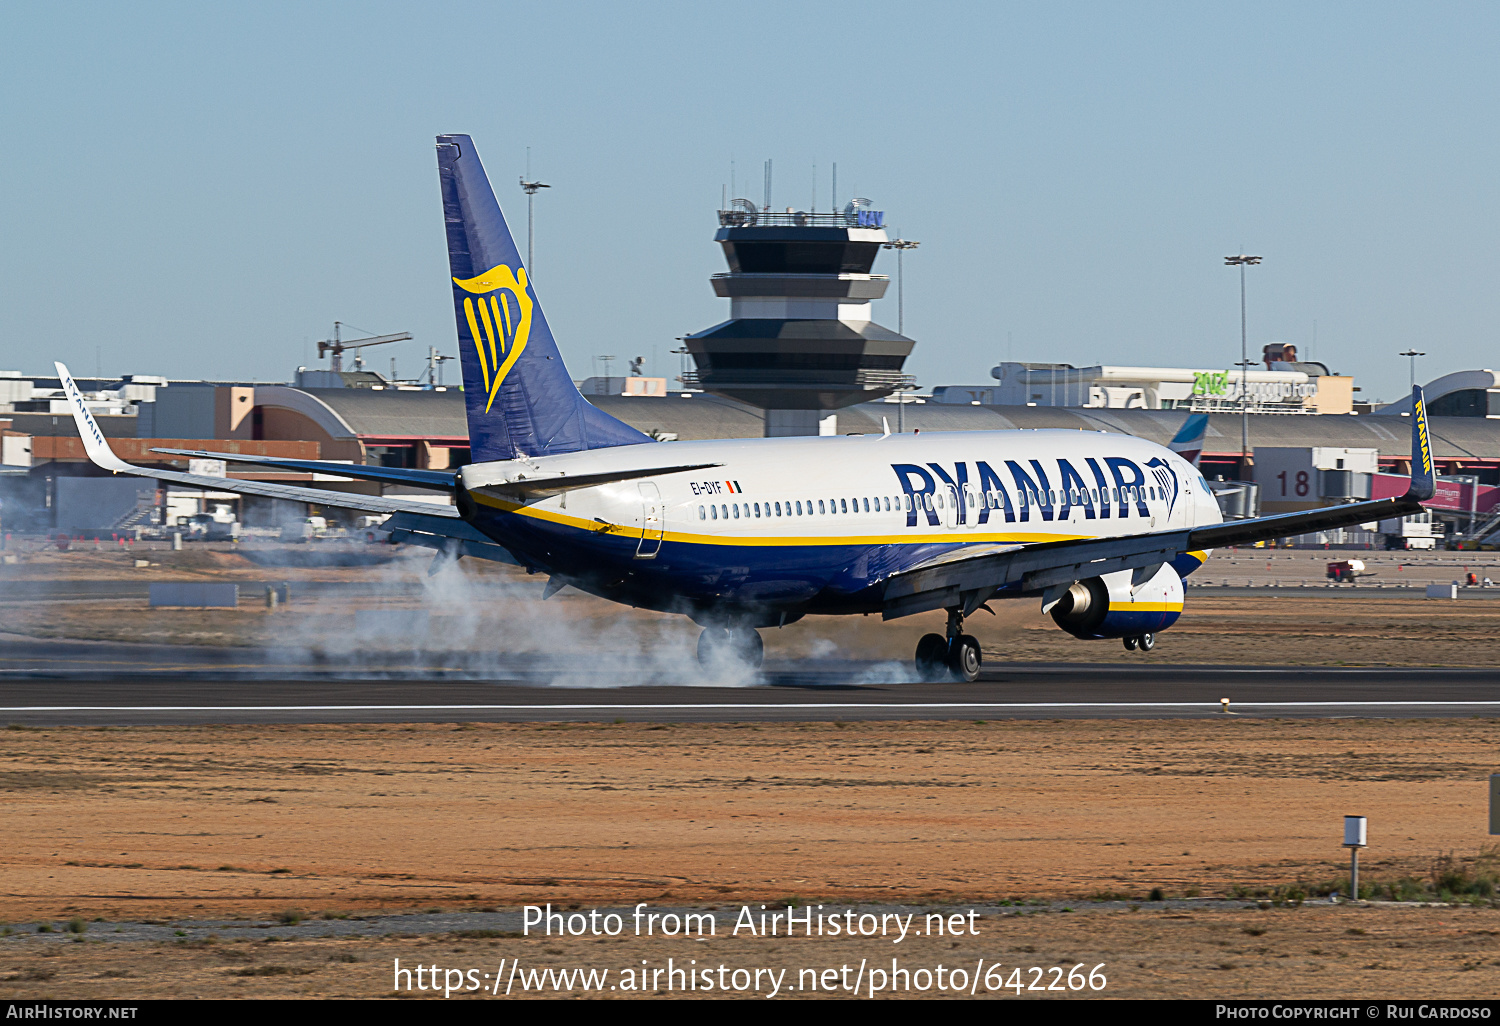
[687, 576]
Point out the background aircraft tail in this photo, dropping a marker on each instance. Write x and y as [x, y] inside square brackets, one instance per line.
[1423, 475]
[1188, 442]
[519, 396]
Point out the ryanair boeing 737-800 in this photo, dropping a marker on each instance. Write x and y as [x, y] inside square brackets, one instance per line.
[751, 533]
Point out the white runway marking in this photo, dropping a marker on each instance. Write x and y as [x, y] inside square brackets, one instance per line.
[729, 706]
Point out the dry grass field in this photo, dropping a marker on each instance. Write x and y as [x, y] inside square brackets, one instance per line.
[257, 821]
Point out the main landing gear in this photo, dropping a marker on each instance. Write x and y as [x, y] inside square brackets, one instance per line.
[956, 657]
[1144, 642]
[718, 646]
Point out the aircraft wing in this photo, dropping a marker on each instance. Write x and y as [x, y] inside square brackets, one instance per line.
[437, 480]
[968, 577]
[103, 456]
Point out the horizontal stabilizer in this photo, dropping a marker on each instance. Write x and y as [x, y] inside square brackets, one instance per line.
[529, 484]
[451, 537]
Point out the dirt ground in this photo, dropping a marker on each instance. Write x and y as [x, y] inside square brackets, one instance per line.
[495, 608]
[117, 824]
[255, 819]
[209, 822]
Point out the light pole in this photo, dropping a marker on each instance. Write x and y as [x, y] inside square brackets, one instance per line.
[530, 189]
[1241, 261]
[900, 246]
[1244, 366]
[1413, 354]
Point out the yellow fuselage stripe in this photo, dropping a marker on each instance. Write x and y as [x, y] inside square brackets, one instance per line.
[594, 527]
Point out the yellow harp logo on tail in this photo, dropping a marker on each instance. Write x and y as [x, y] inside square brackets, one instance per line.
[499, 316]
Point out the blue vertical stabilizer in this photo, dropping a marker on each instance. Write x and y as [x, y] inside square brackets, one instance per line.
[1188, 442]
[519, 396]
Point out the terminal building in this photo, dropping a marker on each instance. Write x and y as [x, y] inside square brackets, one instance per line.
[1295, 459]
[1284, 387]
[801, 353]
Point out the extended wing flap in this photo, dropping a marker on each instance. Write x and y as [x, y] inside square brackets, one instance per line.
[970, 579]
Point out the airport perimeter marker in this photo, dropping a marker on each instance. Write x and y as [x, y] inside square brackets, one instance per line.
[1494, 803]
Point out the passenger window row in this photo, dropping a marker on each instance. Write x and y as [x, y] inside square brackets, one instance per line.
[904, 503]
[1081, 496]
[800, 507]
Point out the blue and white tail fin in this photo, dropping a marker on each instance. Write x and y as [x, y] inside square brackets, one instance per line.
[519, 397]
[1188, 442]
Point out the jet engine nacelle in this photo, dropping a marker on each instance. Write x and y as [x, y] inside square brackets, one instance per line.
[1114, 606]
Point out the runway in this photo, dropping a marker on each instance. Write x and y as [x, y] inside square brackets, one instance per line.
[97, 684]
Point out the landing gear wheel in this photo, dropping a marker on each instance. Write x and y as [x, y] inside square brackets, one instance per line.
[1147, 642]
[748, 646]
[718, 647]
[964, 658]
[713, 645]
[1130, 644]
[932, 658]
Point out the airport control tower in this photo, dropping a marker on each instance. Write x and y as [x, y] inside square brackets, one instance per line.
[799, 342]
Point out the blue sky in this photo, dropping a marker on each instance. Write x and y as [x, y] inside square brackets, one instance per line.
[201, 190]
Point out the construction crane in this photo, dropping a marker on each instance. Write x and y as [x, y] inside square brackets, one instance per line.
[337, 346]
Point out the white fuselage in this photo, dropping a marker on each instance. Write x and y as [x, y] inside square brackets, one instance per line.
[817, 523]
[823, 486]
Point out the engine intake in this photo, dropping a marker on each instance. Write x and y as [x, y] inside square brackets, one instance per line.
[1112, 607]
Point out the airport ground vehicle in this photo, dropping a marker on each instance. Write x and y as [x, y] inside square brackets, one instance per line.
[219, 525]
[1346, 571]
[752, 533]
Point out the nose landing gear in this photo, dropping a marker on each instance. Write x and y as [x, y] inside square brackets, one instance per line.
[1144, 642]
[956, 657]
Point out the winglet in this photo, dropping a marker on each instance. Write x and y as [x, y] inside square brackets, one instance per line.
[1423, 480]
[885, 425]
[88, 428]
